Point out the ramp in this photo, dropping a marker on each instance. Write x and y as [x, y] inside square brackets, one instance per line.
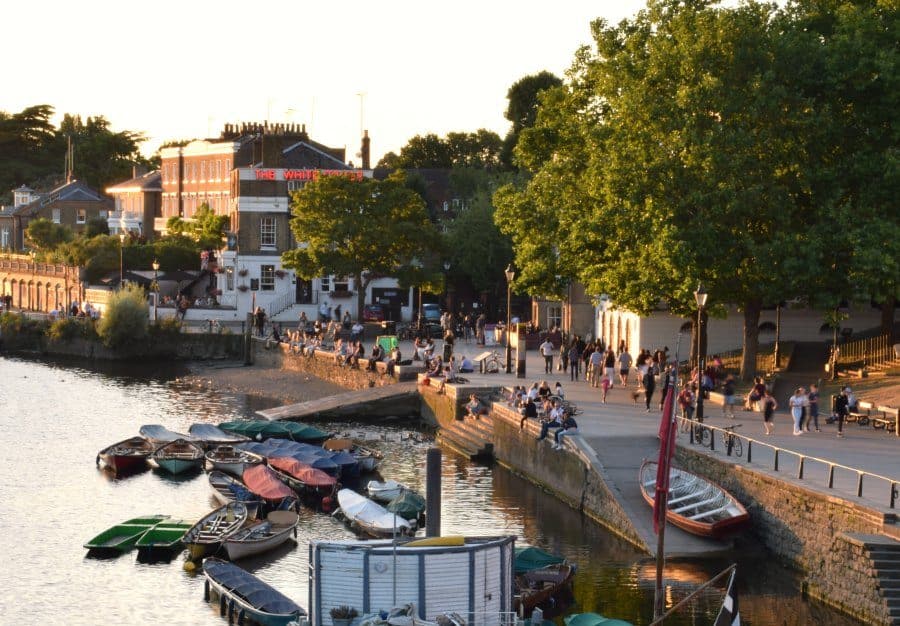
[398, 400]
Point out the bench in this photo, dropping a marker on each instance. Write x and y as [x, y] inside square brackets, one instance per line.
[481, 359]
[862, 413]
[887, 419]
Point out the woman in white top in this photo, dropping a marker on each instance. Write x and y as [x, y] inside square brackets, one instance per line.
[797, 402]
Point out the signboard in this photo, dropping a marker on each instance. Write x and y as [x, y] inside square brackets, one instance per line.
[280, 174]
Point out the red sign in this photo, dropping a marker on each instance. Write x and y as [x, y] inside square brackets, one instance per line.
[307, 174]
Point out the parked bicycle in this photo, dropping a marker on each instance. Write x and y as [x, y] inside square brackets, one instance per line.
[702, 434]
[492, 363]
[731, 441]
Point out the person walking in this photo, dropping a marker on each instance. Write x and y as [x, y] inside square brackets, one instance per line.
[624, 360]
[649, 385]
[546, 350]
[574, 360]
[596, 366]
[768, 405]
[728, 397]
[812, 399]
[563, 357]
[796, 403]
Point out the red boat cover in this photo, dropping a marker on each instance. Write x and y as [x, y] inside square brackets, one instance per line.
[310, 476]
[263, 482]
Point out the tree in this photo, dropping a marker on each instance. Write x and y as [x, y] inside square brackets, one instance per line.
[96, 226]
[476, 247]
[26, 139]
[44, 235]
[481, 149]
[361, 229]
[524, 100]
[671, 157]
[125, 320]
[206, 228]
[101, 157]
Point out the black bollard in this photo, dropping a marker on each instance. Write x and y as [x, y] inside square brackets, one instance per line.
[433, 492]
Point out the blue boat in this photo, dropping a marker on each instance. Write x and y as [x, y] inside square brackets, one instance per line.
[243, 596]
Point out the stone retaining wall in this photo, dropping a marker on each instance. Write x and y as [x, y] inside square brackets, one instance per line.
[806, 529]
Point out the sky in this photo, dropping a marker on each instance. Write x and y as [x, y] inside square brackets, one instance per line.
[182, 69]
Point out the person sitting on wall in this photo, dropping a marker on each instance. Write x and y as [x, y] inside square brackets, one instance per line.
[474, 407]
[569, 427]
[553, 420]
[466, 366]
[377, 355]
[529, 411]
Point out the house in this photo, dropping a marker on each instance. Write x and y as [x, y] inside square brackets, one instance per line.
[138, 202]
[72, 204]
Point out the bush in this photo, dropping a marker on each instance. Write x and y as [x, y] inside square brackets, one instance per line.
[69, 328]
[125, 318]
[166, 327]
[13, 323]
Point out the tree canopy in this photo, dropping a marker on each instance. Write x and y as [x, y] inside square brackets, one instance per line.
[360, 229]
[480, 149]
[206, 228]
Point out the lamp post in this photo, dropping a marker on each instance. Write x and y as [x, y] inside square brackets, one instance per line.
[777, 351]
[155, 286]
[510, 275]
[700, 296]
[121, 259]
[447, 286]
[416, 263]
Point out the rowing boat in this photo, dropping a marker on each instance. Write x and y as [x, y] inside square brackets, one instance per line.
[165, 537]
[179, 456]
[385, 491]
[122, 537]
[695, 504]
[301, 477]
[262, 535]
[370, 517]
[158, 434]
[206, 536]
[243, 596]
[126, 456]
[264, 429]
[540, 585]
[227, 458]
[367, 458]
[263, 482]
[211, 435]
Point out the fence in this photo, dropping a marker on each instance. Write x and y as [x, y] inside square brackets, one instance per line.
[871, 352]
[713, 437]
[765, 359]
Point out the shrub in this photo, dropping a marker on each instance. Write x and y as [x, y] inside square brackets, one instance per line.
[166, 327]
[69, 328]
[11, 323]
[125, 318]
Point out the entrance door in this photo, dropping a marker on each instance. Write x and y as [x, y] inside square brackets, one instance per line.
[304, 292]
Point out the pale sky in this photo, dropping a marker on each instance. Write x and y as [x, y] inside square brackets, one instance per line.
[181, 69]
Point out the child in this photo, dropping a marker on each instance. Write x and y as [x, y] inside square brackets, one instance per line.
[605, 384]
[558, 391]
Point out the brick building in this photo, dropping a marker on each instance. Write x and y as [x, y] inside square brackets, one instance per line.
[138, 202]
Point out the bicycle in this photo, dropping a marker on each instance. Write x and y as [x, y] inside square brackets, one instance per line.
[731, 441]
[702, 434]
[491, 363]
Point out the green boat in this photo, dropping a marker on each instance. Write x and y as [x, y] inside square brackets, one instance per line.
[531, 558]
[122, 537]
[259, 430]
[593, 619]
[408, 505]
[164, 537]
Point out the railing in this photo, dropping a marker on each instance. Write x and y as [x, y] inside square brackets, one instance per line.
[279, 304]
[805, 464]
[873, 351]
[731, 360]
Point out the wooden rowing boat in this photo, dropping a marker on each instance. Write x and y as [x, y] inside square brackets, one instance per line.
[211, 435]
[367, 458]
[262, 535]
[234, 461]
[158, 434]
[128, 455]
[695, 504]
[206, 536]
[179, 456]
[540, 585]
[243, 596]
[385, 491]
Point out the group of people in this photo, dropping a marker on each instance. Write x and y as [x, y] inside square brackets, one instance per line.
[546, 404]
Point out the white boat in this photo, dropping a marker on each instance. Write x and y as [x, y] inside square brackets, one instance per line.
[370, 517]
[261, 535]
[231, 460]
[158, 434]
[470, 576]
[206, 536]
[367, 458]
[385, 491]
[178, 456]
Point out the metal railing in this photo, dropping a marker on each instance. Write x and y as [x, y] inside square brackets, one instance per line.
[698, 437]
[870, 352]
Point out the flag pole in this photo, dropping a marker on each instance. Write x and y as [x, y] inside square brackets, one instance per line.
[667, 436]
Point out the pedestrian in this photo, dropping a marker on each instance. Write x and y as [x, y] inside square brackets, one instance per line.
[649, 384]
[605, 384]
[769, 406]
[624, 360]
[686, 401]
[728, 397]
[596, 366]
[812, 399]
[574, 361]
[563, 357]
[796, 403]
[609, 362]
[546, 350]
[841, 410]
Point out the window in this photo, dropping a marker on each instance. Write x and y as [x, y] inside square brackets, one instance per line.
[324, 284]
[554, 316]
[218, 170]
[229, 278]
[81, 216]
[56, 215]
[267, 232]
[202, 171]
[267, 278]
[4, 238]
[103, 214]
[296, 185]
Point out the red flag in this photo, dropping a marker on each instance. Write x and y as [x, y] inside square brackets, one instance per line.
[667, 432]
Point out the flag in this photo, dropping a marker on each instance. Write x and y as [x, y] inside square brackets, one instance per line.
[667, 432]
[729, 615]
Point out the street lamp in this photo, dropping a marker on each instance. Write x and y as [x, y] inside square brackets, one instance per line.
[416, 263]
[777, 352]
[155, 286]
[700, 296]
[510, 275]
[446, 285]
[121, 259]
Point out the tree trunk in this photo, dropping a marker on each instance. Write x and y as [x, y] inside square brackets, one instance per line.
[752, 309]
[360, 296]
[692, 348]
[887, 318]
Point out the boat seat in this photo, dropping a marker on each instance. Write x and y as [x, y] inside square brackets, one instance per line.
[700, 516]
[694, 505]
[698, 494]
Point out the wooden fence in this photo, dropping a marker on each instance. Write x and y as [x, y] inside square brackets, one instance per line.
[871, 352]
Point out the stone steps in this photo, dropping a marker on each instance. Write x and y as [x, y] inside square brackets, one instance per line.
[472, 437]
[883, 553]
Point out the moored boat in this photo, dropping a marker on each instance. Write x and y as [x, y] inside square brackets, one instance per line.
[540, 585]
[408, 505]
[301, 477]
[259, 430]
[158, 434]
[261, 535]
[227, 488]
[165, 537]
[206, 536]
[179, 456]
[122, 537]
[370, 517]
[695, 504]
[263, 482]
[227, 458]
[593, 619]
[385, 491]
[211, 435]
[128, 455]
[367, 458]
[244, 596]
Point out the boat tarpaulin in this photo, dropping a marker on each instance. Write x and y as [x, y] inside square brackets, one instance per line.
[247, 586]
[263, 482]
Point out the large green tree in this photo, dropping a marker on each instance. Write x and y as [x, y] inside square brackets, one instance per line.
[206, 228]
[669, 158]
[44, 236]
[481, 149]
[524, 101]
[362, 229]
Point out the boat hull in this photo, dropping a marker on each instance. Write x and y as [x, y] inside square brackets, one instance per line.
[206, 536]
[129, 455]
[695, 504]
[163, 538]
[178, 466]
[179, 456]
[539, 586]
[221, 580]
[122, 537]
[283, 525]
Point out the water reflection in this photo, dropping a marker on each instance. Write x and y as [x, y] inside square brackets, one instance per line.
[56, 416]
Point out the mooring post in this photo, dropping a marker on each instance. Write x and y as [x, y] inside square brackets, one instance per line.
[433, 492]
[248, 340]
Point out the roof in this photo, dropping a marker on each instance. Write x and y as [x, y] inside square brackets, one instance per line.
[151, 181]
[75, 191]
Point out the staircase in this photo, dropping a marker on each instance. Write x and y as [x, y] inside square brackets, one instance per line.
[884, 559]
[470, 436]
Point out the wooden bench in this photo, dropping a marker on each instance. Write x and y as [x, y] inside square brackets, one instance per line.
[862, 413]
[887, 419]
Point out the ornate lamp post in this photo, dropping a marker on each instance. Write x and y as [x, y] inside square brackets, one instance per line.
[155, 286]
[121, 259]
[510, 275]
[700, 296]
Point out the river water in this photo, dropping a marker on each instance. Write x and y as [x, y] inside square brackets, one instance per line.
[55, 417]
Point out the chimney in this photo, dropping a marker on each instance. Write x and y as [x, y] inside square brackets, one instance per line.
[364, 151]
[138, 170]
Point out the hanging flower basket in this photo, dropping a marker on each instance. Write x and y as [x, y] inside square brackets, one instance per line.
[243, 271]
[280, 273]
[243, 288]
[341, 294]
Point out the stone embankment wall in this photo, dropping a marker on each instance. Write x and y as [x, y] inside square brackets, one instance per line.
[806, 529]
